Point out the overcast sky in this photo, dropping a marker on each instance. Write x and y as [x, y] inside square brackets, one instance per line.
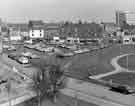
[61, 10]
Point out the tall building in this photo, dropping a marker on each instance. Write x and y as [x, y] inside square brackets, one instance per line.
[125, 18]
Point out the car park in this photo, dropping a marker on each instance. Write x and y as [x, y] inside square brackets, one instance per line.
[11, 48]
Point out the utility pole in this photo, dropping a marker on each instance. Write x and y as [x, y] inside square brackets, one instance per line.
[127, 62]
[8, 87]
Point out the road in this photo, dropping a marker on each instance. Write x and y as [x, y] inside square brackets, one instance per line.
[96, 94]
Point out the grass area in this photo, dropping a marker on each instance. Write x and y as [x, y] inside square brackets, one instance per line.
[123, 78]
[127, 62]
[97, 62]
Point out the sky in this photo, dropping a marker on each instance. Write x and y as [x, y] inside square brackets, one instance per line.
[62, 10]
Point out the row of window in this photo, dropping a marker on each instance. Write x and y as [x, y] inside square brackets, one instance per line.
[39, 30]
[40, 34]
[132, 39]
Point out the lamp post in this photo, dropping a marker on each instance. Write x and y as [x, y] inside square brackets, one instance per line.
[76, 101]
[8, 86]
[127, 62]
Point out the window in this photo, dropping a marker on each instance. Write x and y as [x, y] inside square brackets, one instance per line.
[68, 40]
[133, 39]
[32, 34]
[126, 40]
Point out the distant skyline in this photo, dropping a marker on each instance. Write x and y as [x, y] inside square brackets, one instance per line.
[62, 10]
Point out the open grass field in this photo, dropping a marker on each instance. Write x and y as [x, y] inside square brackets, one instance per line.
[127, 62]
[97, 62]
[123, 78]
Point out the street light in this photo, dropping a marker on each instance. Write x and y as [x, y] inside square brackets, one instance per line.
[127, 62]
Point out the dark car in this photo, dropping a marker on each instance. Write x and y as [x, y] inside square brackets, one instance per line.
[3, 81]
[120, 89]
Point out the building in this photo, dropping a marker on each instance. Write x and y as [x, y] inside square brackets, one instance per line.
[15, 34]
[52, 30]
[128, 38]
[125, 18]
[120, 19]
[24, 30]
[109, 27]
[73, 40]
[36, 29]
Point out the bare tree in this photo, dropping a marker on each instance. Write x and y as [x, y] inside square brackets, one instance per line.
[47, 81]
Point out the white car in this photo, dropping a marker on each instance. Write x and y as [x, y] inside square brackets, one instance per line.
[68, 54]
[86, 50]
[27, 54]
[23, 60]
[78, 51]
[11, 48]
[29, 41]
[48, 49]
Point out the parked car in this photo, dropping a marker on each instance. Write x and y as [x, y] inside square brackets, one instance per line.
[68, 54]
[35, 56]
[23, 60]
[27, 54]
[122, 89]
[29, 41]
[11, 48]
[85, 50]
